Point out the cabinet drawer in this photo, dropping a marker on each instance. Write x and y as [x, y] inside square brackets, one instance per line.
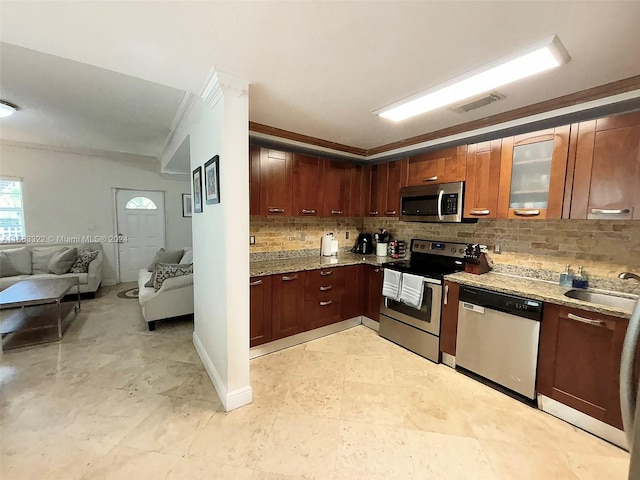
[323, 281]
[321, 312]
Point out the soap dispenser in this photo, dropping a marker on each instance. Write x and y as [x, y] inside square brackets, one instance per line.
[580, 280]
[566, 278]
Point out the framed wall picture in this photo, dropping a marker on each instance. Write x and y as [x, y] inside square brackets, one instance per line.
[197, 190]
[187, 210]
[212, 180]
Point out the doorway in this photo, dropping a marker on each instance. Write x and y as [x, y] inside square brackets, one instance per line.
[140, 221]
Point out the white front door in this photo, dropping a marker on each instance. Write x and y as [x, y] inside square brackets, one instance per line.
[140, 220]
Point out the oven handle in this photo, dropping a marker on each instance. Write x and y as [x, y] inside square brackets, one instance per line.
[430, 280]
[440, 194]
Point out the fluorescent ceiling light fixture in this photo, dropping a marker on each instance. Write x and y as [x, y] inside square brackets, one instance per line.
[7, 109]
[537, 58]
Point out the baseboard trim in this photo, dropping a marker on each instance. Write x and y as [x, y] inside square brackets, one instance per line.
[294, 340]
[372, 324]
[583, 421]
[230, 400]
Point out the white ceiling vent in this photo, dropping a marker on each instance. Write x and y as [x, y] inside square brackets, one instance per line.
[478, 102]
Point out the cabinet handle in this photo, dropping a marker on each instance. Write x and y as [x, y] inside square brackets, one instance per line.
[604, 211]
[324, 289]
[257, 282]
[376, 270]
[288, 279]
[304, 211]
[527, 213]
[600, 323]
[324, 304]
[446, 295]
[390, 212]
[276, 210]
[479, 212]
[373, 213]
[325, 273]
[431, 179]
[336, 212]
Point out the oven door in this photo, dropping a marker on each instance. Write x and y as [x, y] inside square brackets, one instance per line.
[427, 318]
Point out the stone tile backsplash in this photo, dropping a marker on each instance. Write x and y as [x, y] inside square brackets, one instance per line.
[603, 247]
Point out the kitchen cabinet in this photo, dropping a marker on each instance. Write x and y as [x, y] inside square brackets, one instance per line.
[353, 298]
[384, 192]
[533, 170]
[287, 316]
[579, 361]
[483, 180]
[254, 180]
[358, 190]
[260, 310]
[442, 166]
[323, 293]
[607, 169]
[336, 183]
[307, 194]
[449, 318]
[373, 292]
[275, 182]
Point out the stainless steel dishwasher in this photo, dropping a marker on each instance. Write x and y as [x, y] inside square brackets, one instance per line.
[498, 337]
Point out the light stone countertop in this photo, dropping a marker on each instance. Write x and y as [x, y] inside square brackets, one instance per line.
[536, 290]
[297, 264]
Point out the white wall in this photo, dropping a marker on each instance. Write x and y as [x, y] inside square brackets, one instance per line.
[220, 242]
[71, 195]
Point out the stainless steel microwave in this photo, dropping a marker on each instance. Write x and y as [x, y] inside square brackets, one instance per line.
[441, 203]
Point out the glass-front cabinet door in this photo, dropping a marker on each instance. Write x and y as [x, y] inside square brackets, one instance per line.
[533, 173]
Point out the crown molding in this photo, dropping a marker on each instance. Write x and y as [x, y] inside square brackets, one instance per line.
[178, 126]
[86, 152]
[217, 83]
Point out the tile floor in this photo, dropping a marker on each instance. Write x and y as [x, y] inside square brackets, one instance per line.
[114, 401]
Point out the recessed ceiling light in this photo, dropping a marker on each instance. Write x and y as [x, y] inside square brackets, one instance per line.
[7, 109]
[537, 58]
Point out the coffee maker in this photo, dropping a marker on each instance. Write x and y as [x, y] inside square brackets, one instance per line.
[364, 245]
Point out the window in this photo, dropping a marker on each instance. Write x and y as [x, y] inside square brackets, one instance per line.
[140, 203]
[11, 215]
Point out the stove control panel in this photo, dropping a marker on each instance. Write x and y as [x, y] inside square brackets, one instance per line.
[435, 247]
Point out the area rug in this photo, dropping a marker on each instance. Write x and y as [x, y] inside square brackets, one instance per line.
[129, 293]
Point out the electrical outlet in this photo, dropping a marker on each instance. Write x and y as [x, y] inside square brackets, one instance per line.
[346, 235]
[497, 249]
[252, 240]
[303, 236]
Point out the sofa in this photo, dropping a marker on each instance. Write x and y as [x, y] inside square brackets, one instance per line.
[174, 298]
[32, 260]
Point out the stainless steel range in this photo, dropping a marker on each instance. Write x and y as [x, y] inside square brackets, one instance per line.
[416, 329]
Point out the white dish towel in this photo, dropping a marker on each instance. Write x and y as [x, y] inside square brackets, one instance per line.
[412, 290]
[391, 284]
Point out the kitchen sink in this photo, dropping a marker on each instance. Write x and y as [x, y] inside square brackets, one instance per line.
[610, 300]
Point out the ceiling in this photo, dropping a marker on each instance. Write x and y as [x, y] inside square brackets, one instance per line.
[320, 68]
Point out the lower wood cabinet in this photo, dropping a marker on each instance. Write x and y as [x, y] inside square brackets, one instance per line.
[352, 303]
[373, 292]
[449, 322]
[323, 293]
[579, 361]
[287, 305]
[260, 310]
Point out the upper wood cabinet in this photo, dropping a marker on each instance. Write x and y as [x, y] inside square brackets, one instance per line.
[532, 174]
[307, 194]
[607, 169]
[358, 190]
[483, 180]
[336, 183]
[254, 180]
[385, 181]
[442, 166]
[275, 182]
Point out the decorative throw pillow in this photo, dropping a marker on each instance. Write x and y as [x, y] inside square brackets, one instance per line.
[187, 258]
[41, 256]
[85, 257]
[15, 261]
[169, 270]
[166, 256]
[62, 262]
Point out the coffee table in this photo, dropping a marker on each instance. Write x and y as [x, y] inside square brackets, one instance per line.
[26, 308]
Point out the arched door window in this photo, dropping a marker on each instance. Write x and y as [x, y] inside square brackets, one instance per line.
[140, 203]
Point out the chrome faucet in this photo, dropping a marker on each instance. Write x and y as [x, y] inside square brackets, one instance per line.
[628, 275]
